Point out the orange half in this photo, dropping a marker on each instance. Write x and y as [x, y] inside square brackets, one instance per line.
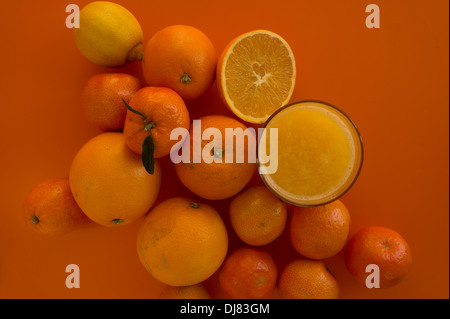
[256, 75]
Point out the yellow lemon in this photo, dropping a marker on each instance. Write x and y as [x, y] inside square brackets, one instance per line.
[109, 35]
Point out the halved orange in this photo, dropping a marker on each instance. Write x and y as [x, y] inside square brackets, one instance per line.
[256, 75]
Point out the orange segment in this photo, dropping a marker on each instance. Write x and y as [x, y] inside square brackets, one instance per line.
[256, 75]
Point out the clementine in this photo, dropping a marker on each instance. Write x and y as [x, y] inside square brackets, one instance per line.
[319, 232]
[182, 242]
[101, 99]
[257, 216]
[380, 246]
[220, 175]
[248, 273]
[50, 208]
[155, 111]
[182, 58]
[109, 182]
[307, 279]
[197, 291]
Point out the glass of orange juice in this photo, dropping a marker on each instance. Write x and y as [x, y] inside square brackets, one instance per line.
[320, 153]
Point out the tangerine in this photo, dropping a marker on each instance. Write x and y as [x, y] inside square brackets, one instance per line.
[307, 279]
[218, 175]
[50, 208]
[101, 99]
[257, 216]
[380, 246]
[319, 232]
[248, 273]
[160, 110]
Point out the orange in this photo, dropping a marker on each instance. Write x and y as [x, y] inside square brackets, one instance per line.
[319, 232]
[101, 99]
[248, 273]
[197, 291]
[182, 242]
[224, 177]
[109, 182]
[182, 58]
[256, 75]
[257, 216]
[163, 110]
[380, 246]
[50, 208]
[307, 279]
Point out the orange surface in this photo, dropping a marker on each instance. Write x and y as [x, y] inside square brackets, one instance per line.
[392, 81]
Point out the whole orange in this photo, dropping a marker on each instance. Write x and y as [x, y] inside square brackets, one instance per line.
[101, 99]
[109, 182]
[197, 291]
[248, 273]
[380, 246]
[50, 209]
[182, 58]
[163, 110]
[257, 216]
[182, 242]
[319, 232]
[220, 175]
[307, 279]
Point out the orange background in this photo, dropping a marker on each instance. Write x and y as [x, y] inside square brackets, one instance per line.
[392, 81]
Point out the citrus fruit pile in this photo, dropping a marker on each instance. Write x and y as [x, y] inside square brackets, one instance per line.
[115, 178]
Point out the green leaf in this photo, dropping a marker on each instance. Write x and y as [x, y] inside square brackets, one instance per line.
[148, 158]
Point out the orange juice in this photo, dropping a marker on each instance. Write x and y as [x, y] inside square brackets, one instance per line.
[319, 153]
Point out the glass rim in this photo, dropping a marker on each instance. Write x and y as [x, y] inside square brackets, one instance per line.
[356, 170]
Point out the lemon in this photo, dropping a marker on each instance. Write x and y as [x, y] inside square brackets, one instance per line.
[109, 35]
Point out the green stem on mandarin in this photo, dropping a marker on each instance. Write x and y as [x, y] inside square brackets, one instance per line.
[148, 147]
[35, 219]
[185, 78]
[195, 205]
[134, 111]
[149, 126]
[117, 221]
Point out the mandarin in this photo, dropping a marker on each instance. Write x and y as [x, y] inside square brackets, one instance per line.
[217, 174]
[248, 273]
[257, 216]
[380, 246]
[101, 99]
[319, 232]
[307, 279]
[50, 209]
[160, 111]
